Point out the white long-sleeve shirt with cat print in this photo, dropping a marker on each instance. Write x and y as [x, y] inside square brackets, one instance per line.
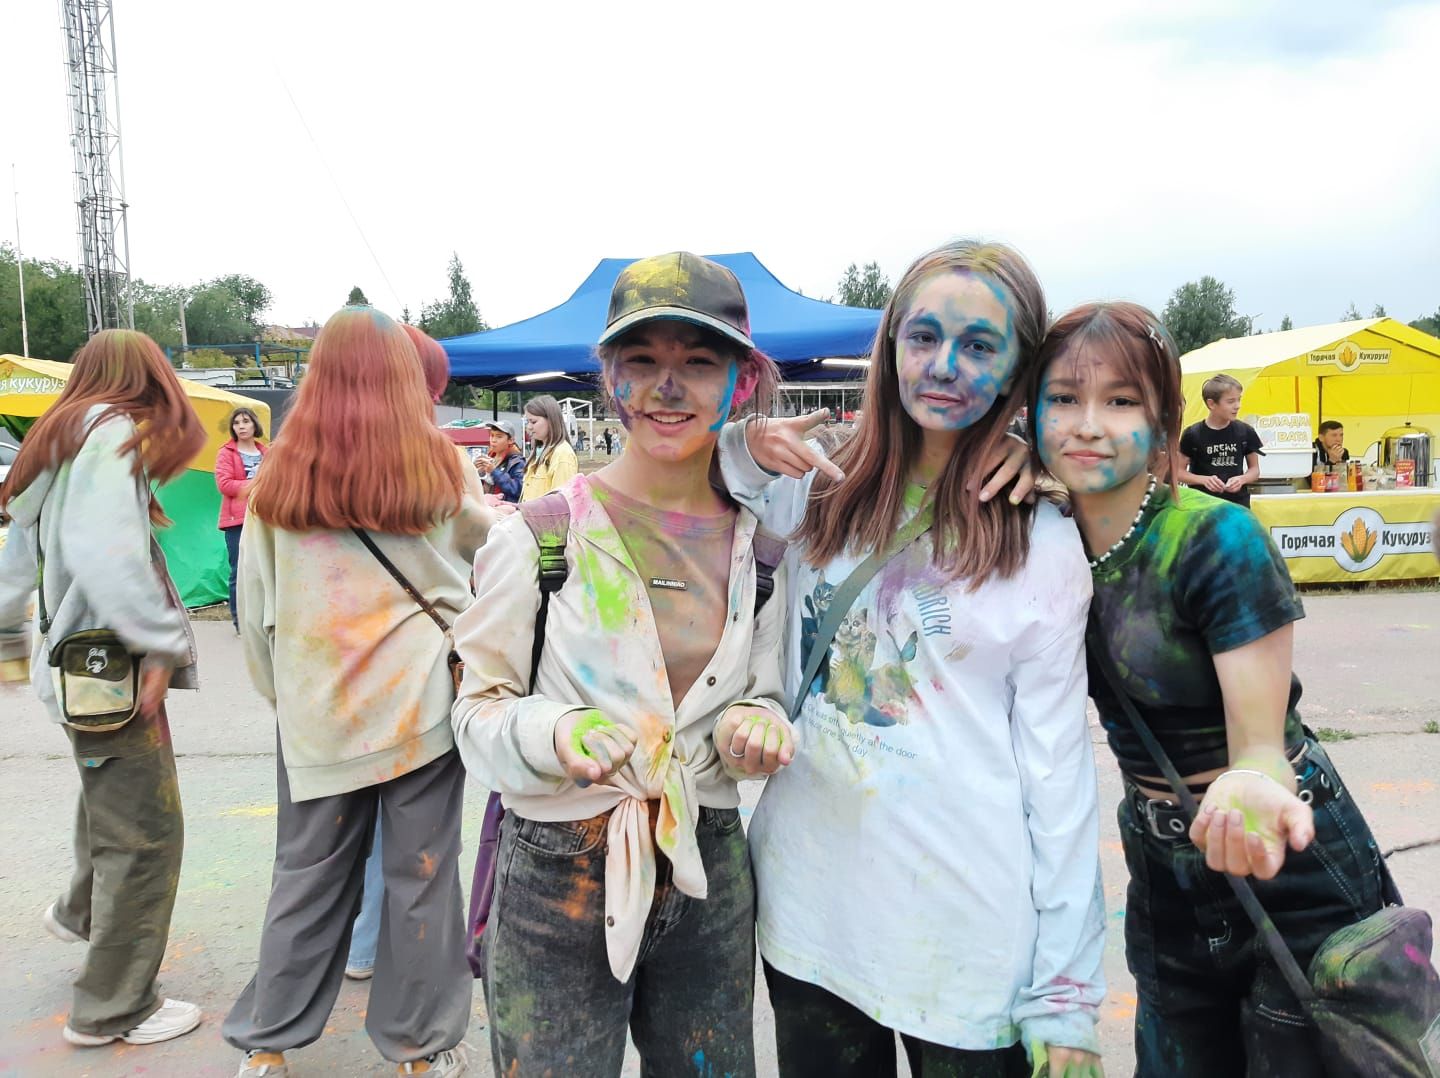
[932, 853]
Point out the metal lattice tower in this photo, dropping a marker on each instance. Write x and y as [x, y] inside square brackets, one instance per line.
[89, 27]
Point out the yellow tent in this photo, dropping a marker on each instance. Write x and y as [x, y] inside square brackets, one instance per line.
[1370, 375]
[194, 547]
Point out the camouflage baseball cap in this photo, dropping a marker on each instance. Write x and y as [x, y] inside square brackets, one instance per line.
[681, 286]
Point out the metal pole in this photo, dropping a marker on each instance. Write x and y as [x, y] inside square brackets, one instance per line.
[20, 264]
[184, 343]
[120, 160]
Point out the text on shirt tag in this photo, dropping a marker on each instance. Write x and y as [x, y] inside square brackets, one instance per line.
[666, 582]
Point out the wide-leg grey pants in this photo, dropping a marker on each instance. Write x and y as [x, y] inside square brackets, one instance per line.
[420, 998]
[129, 838]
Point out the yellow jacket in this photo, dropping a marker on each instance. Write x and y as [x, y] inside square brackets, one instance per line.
[549, 473]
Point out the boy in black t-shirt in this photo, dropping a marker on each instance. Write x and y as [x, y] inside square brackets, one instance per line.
[1221, 455]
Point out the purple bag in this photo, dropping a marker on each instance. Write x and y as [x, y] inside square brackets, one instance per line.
[482, 886]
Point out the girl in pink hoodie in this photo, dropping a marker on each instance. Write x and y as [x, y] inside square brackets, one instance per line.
[235, 468]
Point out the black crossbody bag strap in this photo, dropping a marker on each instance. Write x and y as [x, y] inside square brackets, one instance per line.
[1274, 942]
[410, 590]
[846, 594]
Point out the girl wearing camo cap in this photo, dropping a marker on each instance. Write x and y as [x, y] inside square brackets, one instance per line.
[624, 898]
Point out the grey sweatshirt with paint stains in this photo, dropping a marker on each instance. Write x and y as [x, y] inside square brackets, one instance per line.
[103, 568]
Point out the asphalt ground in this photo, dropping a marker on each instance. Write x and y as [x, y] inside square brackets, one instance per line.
[1368, 662]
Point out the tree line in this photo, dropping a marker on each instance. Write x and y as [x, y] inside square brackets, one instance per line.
[224, 310]
[1198, 312]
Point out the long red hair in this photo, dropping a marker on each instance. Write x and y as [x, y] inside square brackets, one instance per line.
[125, 371]
[360, 447]
[433, 360]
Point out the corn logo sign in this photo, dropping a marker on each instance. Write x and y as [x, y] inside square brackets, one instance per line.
[1357, 540]
[1348, 356]
[12, 384]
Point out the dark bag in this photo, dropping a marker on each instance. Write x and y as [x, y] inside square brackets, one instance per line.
[457, 668]
[1372, 991]
[548, 519]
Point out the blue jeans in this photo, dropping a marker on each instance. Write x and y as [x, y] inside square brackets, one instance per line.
[555, 1007]
[1211, 1001]
[232, 548]
[365, 935]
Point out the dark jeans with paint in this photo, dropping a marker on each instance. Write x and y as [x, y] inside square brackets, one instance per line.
[232, 548]
[555, 1007]
[129, 837]
[820, 1035]
[1211, 1000]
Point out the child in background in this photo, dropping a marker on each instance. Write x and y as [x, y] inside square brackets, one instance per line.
[1221, 455]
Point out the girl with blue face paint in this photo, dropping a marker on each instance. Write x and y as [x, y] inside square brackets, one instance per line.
[929, 862]
[1194, 605]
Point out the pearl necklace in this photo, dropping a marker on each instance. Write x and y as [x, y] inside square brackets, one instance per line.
[1144, 504]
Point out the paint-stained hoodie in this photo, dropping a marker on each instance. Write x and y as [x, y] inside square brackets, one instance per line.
[602, 650]
[103, 568]
[356, 670]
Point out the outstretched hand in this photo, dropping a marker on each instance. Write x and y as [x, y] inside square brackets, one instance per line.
[779, 445]
[1245, 823]
[590, 747]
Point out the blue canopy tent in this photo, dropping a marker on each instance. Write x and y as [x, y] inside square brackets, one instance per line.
[794, 330]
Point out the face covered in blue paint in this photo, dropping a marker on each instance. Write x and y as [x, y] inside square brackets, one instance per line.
[1091, 425]
[673, 389]
[955, 350]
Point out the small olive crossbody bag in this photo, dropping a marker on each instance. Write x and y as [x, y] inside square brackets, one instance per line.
[97, 679]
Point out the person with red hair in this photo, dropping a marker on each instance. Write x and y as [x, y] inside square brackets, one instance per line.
[365, 937]
[433, 361]
[357, 551]
[83, 517]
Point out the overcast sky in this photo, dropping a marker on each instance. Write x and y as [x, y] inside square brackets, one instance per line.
[1288, 148]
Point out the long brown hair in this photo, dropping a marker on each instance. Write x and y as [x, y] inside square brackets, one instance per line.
[125, 371]
[1135, 343]
[360, 447]
[862, 512]
[548, 409]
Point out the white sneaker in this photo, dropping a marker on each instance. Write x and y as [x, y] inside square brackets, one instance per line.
[173, 1019]
[59, 931]
[251, 1069]
[450, 1063]
[359, 973]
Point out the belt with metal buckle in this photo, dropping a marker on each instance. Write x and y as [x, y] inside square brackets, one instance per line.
[1166, 820]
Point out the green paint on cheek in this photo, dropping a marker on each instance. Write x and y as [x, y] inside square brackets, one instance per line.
[588, 722]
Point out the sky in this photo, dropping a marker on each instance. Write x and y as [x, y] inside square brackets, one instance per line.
[1287, 148]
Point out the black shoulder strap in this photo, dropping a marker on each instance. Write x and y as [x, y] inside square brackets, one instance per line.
[1264, 926]
[410, 589]
[548, 519]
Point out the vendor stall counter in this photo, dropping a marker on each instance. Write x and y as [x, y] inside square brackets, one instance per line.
[1367, 535]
